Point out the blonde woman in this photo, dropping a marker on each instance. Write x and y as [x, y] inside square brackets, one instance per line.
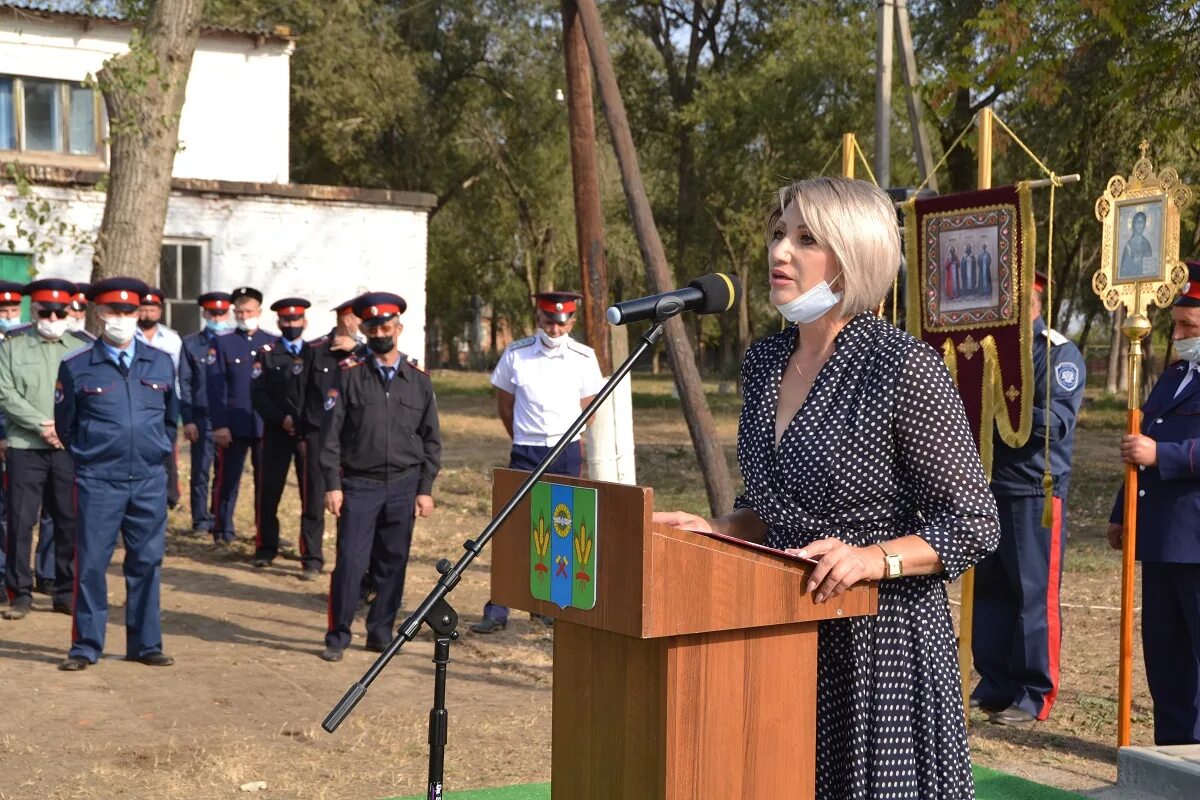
[855, 451]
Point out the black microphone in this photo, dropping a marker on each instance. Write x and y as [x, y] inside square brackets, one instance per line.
[710, 294]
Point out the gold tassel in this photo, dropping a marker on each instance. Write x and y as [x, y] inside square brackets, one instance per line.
[1048, 493]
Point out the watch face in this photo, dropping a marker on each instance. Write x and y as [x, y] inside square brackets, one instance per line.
[893, 566]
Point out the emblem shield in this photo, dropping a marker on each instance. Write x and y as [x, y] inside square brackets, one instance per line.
[563, 545]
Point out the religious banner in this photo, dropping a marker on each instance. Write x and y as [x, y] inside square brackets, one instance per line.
[970, 274]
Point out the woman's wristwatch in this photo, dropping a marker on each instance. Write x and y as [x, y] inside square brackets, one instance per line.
[893, 564]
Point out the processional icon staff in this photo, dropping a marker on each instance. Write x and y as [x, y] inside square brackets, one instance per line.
[1139, 265]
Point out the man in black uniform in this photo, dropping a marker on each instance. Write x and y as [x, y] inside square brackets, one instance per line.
[324, 358]
[380, 452]
[277, 391]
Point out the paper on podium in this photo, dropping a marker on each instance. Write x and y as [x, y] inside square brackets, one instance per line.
[761, 548]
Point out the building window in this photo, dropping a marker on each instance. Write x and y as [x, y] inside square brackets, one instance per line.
[45, 116]
[181, 275]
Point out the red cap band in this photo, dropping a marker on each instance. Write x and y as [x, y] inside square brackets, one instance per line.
[215, 305]
[290, 311]
[51, 296]
[1192, 289]
[118, 296]
[151, 299]
[380, 310]
[552, 307]
[80, 298]
[10, 297]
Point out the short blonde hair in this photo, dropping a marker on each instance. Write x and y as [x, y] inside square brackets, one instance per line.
[857, 221]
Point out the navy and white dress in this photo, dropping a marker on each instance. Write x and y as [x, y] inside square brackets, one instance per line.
[880, 449]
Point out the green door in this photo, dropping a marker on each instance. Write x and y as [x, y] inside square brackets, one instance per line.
[17, 267]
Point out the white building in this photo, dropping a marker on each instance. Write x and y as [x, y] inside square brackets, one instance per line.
[233, 219]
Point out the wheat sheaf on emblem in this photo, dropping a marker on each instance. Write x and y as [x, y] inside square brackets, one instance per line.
[541, 545]
[583, 551]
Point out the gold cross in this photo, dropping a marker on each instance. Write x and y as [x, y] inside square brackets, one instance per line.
[1144, 146]
[1012, 394]
[968, 347]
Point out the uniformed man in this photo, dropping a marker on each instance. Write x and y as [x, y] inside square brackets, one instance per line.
[237, 429]
[1167, 455]
[542, 383]
[77, 312]
[325, 357]
[380, 451]
[151, 331]
[278, 396]
[116, 407]
[10, 318]
[1018, 622]
[199, 357]
[40, 470]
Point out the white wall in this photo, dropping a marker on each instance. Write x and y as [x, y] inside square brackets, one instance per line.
[324, 251]
[235, 118]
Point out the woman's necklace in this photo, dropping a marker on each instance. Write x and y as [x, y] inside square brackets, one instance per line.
[803, 377]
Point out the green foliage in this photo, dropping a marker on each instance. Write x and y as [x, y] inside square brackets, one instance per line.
[35, 224]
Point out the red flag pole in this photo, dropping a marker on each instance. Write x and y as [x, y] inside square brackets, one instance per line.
[1136, 328]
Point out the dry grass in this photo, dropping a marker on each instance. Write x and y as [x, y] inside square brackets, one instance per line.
[245, 701]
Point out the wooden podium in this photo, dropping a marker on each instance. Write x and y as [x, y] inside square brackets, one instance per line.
[693, 676]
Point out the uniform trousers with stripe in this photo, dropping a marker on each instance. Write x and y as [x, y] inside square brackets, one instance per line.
[279, 451]
[375, 530]
[312, 517]
[202, 462]
[230, 461]
[136, 510]
[1171, 646]
[43, 557]
[527, 457]
[1017, 617]
[37, 477]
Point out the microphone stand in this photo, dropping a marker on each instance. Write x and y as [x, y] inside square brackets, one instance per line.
[440, 616]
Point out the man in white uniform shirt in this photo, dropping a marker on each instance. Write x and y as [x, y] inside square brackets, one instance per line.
[151, 331]
[542, 383]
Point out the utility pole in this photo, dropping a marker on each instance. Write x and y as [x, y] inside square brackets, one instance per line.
[920, 140]
[883, 94]
[589, 221]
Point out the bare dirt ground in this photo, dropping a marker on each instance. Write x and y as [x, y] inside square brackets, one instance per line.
[246, 697]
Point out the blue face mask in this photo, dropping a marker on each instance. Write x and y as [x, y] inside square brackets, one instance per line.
[7, 325]
[218, 326]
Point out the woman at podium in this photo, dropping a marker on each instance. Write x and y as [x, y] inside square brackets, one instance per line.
[855, 452]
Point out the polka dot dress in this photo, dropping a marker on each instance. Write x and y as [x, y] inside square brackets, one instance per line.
[880, 449]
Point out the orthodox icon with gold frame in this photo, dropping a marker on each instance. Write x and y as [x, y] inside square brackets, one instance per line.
[1139, 261]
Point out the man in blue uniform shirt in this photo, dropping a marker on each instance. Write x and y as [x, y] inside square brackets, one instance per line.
[153, 332]
[277, 391]
[198, 357]
[1167, 455]
[380, 453]
[116, 408]
[237, 429]
[1018, 621]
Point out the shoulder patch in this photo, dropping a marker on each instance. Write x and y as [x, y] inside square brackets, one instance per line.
[83, 336]
[519, 343]
[256, 370]
[58, 392]
[1066, 375]
[580, 347]
[211, 357]
[331, 399]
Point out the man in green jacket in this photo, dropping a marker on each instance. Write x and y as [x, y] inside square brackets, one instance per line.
[38, 466]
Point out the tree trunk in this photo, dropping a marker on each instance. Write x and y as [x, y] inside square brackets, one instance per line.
[709, 452]
[143, 92]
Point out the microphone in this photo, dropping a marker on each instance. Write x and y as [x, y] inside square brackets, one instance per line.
[709, 294]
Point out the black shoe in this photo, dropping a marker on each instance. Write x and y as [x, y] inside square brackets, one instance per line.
[74, 664]
[542, 618]
[154, 660]
[200, 533]
[488, 625]
[1013, 717]
[64, 608]
[374, 647]
[261, 563]
[332, 654]
[19, 609]
[43, 586]
[310, 574]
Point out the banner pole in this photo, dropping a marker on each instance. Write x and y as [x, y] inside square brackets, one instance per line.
[1136, 328]
[848, 155]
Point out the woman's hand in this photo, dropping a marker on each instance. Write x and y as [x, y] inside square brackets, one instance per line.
[682, 519]
[839, 566]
